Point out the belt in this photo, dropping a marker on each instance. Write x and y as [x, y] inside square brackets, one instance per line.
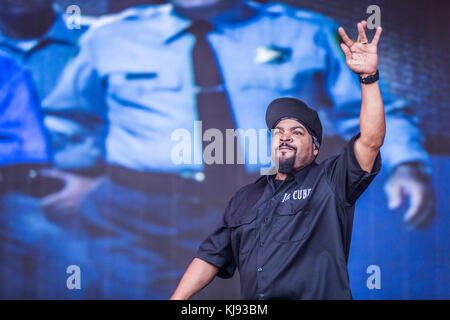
[168, 183]
[25, 178]
[149, 182]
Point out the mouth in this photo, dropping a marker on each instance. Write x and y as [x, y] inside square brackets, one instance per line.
[285, 147]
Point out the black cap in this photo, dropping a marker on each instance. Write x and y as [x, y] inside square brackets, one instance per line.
[285, 108]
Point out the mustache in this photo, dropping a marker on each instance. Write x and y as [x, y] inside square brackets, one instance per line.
[284, 144]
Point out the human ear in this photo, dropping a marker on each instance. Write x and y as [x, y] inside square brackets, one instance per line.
[315, 150]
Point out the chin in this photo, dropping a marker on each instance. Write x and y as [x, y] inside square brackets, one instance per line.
[285, 152]
[192, 4]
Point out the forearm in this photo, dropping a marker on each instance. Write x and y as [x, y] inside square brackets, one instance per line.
[372, 119]
[197, 276]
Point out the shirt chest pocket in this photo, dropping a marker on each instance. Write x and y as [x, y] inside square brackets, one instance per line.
[292, 221]
[131, 85]
[243, 232]
[285, 76]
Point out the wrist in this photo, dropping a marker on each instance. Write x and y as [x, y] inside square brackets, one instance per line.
[364, 75]
[368, 78]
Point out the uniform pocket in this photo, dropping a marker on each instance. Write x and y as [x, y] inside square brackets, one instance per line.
[283, 77]
[132, 84]
[243, 233]
[292, 223]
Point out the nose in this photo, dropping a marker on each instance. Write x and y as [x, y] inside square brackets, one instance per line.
[285, 137]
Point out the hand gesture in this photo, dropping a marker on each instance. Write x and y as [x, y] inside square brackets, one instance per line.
[361, 56]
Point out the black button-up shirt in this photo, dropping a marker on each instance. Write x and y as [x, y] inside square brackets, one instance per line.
[292, 241]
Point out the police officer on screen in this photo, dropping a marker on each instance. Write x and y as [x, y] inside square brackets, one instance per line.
[149, 71]
[38, 35]
[289, 234]
[23, 149]
[35, 35]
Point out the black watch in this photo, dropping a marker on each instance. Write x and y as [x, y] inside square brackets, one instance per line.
[370, 79]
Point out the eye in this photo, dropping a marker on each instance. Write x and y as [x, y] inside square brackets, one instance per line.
[298, 133]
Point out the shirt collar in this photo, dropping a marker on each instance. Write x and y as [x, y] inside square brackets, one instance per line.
[176, 24]
[171, 24]
[299, 176]
[58, 32]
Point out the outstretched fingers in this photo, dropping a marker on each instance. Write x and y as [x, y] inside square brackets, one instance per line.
[362, 37]
[348, 42]
[347, 52]
[376, 37]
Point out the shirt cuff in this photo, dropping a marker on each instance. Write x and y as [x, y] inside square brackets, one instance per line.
[364, 178]
[226, 270]
[355, 164]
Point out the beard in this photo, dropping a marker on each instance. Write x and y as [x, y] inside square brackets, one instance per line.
[286, 165]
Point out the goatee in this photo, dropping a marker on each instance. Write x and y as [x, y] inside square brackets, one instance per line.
[287, 165]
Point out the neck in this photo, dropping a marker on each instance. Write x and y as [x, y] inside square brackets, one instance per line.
[222, 10]
[280, 176]
[283, 176]
[31, 25]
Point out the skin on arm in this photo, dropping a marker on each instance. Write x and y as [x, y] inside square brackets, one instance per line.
[361, 57]
[197, 276]
[407, 181]
[372, 126]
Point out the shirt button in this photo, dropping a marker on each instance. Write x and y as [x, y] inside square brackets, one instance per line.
[259, 269]
[261, 243]
[266, 219]
[261, 295]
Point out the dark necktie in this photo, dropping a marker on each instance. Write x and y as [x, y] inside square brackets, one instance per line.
[214, 110]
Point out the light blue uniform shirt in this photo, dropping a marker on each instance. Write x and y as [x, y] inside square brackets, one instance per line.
[46, 58]
[134, 73]
[22, 137]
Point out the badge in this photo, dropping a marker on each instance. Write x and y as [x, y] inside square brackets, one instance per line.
[272, 55]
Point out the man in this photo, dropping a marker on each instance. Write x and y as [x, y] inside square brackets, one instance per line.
[289, 234]
[35, 35]
[19, 109]
[179, 59]
[23, 151]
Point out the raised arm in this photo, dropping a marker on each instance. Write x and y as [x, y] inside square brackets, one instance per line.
[361, 57]
[199, 274]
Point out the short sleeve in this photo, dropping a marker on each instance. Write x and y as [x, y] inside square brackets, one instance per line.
[346, 176]
[22, 134]
[216, 249]
[75, 112]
